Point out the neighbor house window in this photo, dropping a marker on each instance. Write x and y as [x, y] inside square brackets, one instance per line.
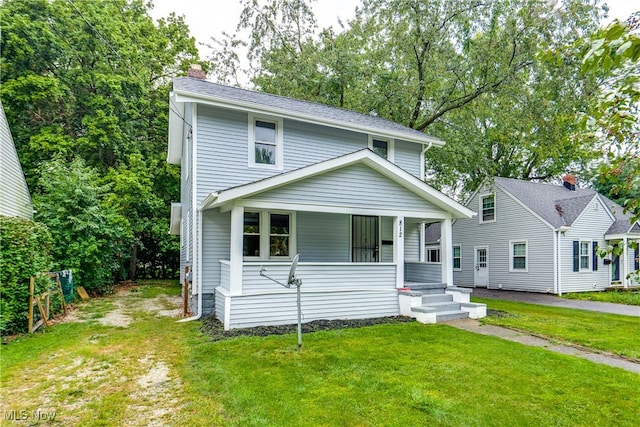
[268, 235]
[518, 256]
[488, 208]
[457, 257]
[382, 147]
[251, 235]
[433, 254]
[585, 255]
[265, 142]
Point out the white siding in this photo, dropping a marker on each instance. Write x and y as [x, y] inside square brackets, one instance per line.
[14, 194]
[407, 156]
[215, 246]
[513, 222]
[590, 226]
[386, 233]
[423, 272]
[412, 240]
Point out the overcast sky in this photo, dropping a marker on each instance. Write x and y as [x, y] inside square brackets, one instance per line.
[207, 18]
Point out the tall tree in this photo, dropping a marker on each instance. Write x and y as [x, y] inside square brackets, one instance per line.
[91, 80]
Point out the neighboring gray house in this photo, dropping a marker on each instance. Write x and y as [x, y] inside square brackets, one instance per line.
[265, 177]
[14, 193]
[538, 237]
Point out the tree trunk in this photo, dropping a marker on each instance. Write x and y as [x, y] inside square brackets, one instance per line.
[133, 263]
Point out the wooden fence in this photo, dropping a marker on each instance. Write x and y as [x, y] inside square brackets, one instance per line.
[43, 302]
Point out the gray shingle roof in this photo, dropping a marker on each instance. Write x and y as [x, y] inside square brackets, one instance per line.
[296, 107]
[560, 206]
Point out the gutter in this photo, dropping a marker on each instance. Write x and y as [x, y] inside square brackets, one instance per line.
[425, 148]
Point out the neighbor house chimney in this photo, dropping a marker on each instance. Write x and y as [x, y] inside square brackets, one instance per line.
[195, 71]
[569, 182]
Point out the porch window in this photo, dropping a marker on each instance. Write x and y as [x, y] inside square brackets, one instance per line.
[488, 208]
[251, 235]
[279, 233]
[268, 235]
[433, 254]
[585, 255]
[518, 256]
[457, 257]
[265, 142]
[382, 147]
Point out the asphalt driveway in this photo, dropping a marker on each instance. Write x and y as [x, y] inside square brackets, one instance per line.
[554, 300]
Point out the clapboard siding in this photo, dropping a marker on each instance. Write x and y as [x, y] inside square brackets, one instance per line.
[422, 272]
[407, 156]
[412, 240]
[386, 233]
[215, 246]
[323, 237]
[356, 186]
[513, 222]
[14, 194]
[319, 277]
[590, 226]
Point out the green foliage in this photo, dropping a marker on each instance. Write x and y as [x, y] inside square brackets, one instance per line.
[91, 80]
[24, 252]
[622, 296]
[90, 235]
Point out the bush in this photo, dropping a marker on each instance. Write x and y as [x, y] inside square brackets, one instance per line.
[24, 252]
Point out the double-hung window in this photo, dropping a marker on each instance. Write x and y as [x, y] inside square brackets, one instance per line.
[433, 254]
[268, 235]
[265, 142]
[518, 257]
[585, 255]
[487, 208]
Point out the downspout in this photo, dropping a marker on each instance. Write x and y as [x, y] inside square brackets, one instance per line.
[194, 195]
[199, 272]
[423, 160]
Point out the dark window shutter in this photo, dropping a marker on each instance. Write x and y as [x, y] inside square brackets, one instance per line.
[576, 255]
[594, 256]
[636, 259]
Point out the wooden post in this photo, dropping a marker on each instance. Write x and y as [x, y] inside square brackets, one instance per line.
[185, 290]
[31, 291]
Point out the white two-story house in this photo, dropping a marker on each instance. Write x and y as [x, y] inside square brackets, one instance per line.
[266, 177]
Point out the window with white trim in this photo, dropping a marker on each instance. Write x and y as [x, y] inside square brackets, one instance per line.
[268, 235]
[265, 142]
[487, 208]
[585, 255]
[382, 147]
[432, 254]
[518, 255]
[457, 257]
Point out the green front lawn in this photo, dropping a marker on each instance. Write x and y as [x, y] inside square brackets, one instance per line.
[606, 332]
[618, 297]
[159, 372]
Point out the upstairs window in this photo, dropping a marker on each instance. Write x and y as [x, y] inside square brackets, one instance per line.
[487, 208]
[265, 143]
[382, 147]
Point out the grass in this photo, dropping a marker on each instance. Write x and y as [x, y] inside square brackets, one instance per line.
[392, 375]
[605, 332]
[618, 297]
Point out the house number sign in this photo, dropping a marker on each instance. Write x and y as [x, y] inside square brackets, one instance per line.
[400, 228]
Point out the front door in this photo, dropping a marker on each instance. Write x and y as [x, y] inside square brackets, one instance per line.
[615, 269]
[364, 239]
[481, 276]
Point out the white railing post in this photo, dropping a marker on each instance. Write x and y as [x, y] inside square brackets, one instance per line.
[446, 252]
[235, 259]
[398, 249]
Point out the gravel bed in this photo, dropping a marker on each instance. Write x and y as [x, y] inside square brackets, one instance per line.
[214, 328]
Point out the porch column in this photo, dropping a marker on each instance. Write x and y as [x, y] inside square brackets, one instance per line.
[398, 249]
[235, 246]
[624, 263]
[446, 252]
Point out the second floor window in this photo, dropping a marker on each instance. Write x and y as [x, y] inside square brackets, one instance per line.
[488, 208]
[265, 142]
[382, 147]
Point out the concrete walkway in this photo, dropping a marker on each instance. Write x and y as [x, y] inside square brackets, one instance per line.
[553, 300]
[533, 341]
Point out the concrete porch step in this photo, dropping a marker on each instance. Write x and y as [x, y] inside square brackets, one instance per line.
[444, 306]
[443, 316]
[427, 288]
[434, 298]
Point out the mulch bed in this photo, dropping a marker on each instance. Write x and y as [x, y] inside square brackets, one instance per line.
[215, 330]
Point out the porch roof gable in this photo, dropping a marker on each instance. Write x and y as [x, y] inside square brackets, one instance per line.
[365, 157]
